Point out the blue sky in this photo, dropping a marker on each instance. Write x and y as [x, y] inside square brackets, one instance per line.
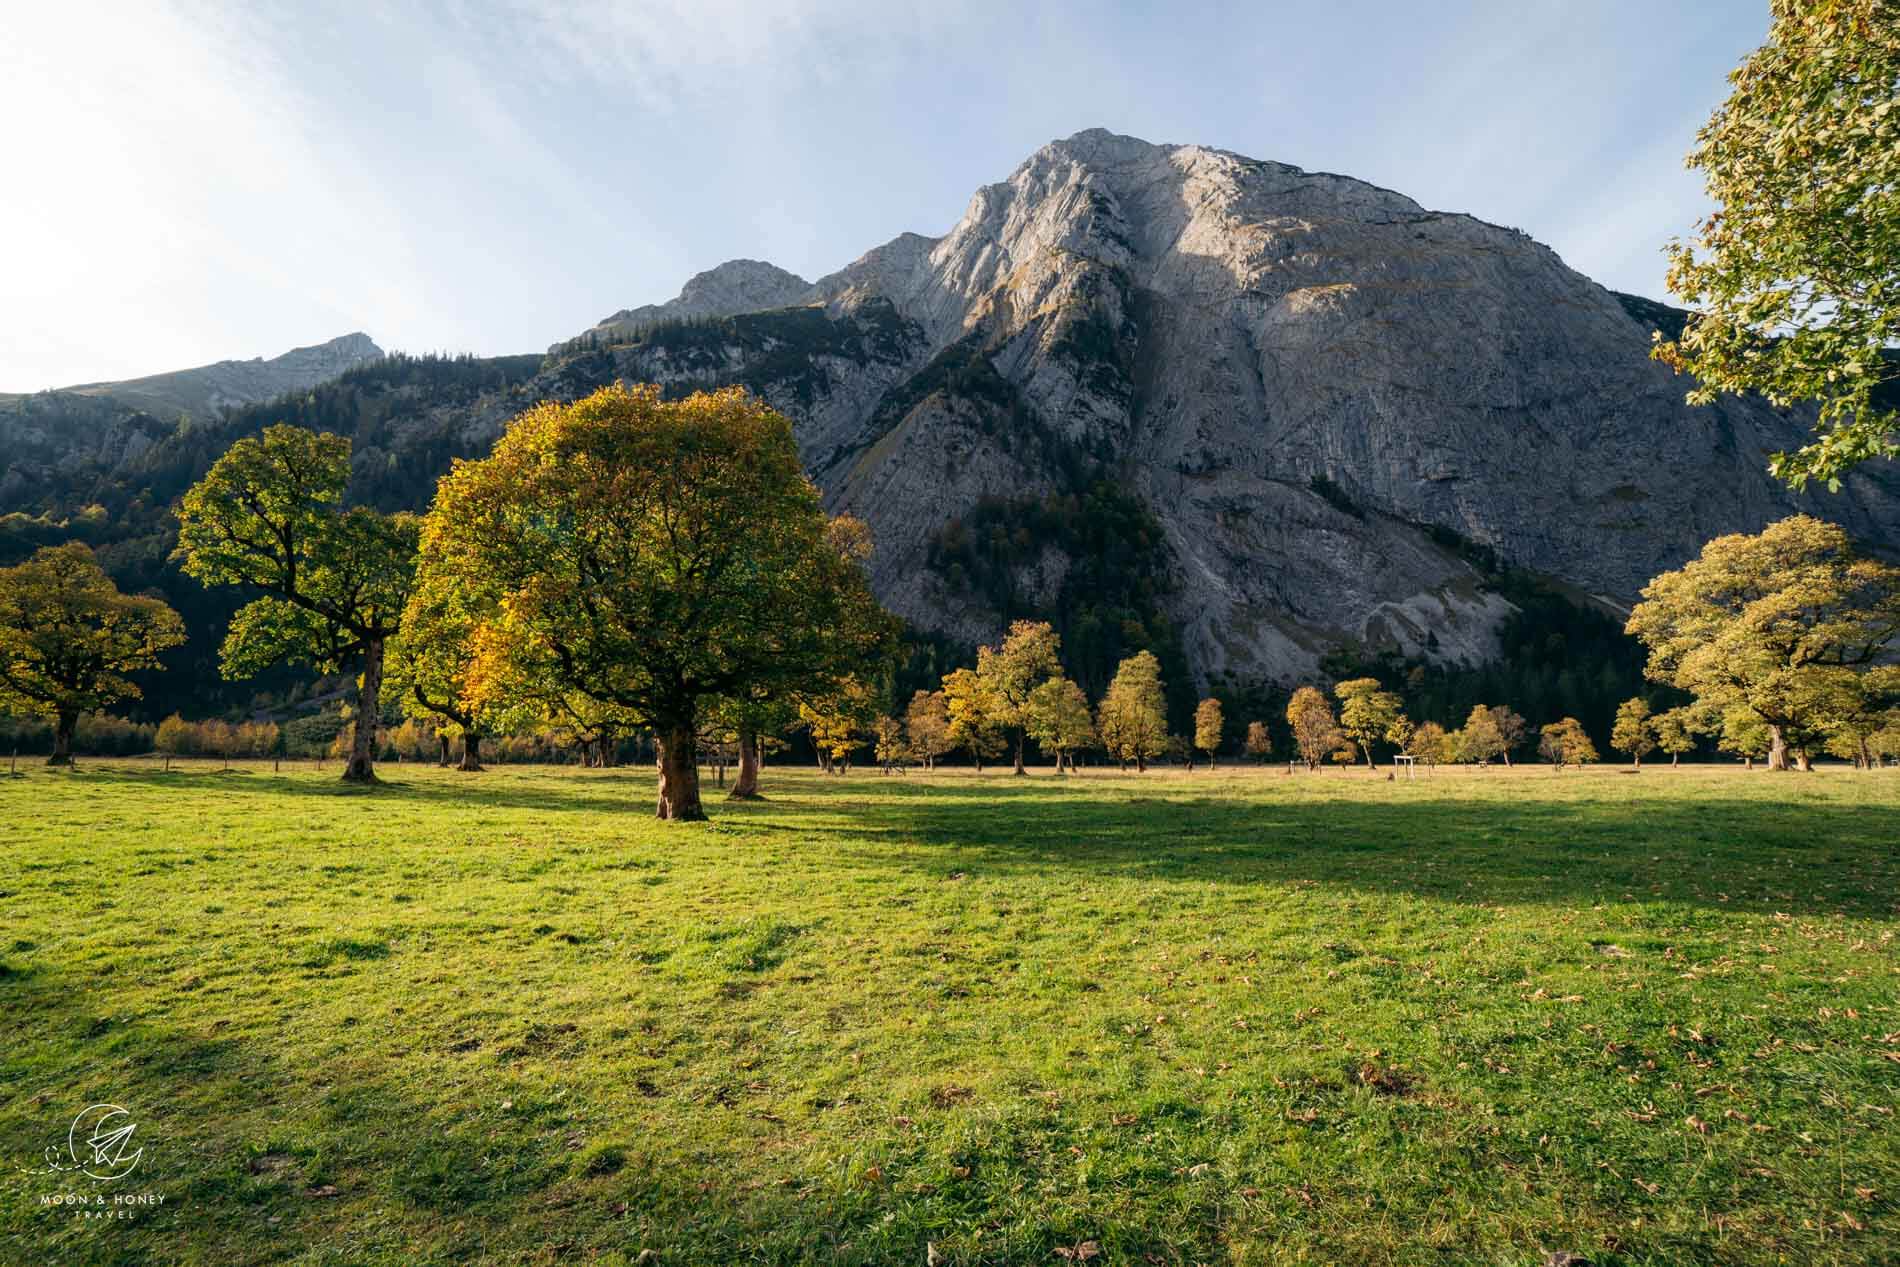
[192, 183]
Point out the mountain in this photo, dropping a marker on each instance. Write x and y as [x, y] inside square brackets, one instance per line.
[1255, 417]
[68, 428]
[1330, 399]
[734, 287]
[201, 392]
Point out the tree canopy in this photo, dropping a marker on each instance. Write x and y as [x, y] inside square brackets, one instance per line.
[1057, 717]
[429, 665]
[1029, 655]
[1778, 624]
[1132, 719]
[1315, 730]
[655, 556]
[1635, 731]
[1209, 722]
[927, 726]
[1795, 273]
[269, 514]
[69, 638]
[1367, 712]
[1565, 742]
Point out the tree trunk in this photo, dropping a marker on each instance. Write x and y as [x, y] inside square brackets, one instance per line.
[679, 776]
[63, 724]
[1141, 763]
[1019, 753]
[746, 786]
[1777, 749]
[1802, 761]
[443, 739]
[369, 693]
[1506, 754]
[977, 757]
[471, 750]
[1675, 760]
[1367, 749]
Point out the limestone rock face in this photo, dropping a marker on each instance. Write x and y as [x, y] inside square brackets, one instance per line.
[1322, 402]
[1326, 393]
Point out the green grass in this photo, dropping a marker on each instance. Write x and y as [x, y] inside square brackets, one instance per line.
[1233, 1017]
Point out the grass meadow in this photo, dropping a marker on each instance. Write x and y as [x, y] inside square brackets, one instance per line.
[1227, 1017]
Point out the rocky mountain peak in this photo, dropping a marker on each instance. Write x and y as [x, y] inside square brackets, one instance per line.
[733, 287]
[1330, 398]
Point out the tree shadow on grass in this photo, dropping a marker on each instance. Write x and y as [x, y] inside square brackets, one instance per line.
[1576, 842]
[264, 1153]
[596, 791]
[1810, 858]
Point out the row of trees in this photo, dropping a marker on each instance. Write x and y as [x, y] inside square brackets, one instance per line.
[625, 563]
[618, 562]
[1018, 691]
[1781, 639]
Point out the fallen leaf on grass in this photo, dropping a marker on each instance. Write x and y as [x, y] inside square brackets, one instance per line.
[322, 1190]
[1079, 1253]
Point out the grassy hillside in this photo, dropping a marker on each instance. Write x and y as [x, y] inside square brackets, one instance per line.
[1233, 1017]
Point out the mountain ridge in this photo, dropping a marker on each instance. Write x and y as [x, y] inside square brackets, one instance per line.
[1357, 377]
[1305, 404]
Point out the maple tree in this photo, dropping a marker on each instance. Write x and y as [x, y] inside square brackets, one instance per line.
[654, 557]
[68, 639]
[1778, 623]
[1793, 273]
[269, 515]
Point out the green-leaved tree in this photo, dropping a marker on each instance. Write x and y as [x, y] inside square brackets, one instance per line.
[269, 516]
[1132, 719]
[1795, 274]
[1774, 623]
[1634, 731]
[1367, 712]
[1209, 721]
[68, 638]
[1058, 719]
[1028, 656]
